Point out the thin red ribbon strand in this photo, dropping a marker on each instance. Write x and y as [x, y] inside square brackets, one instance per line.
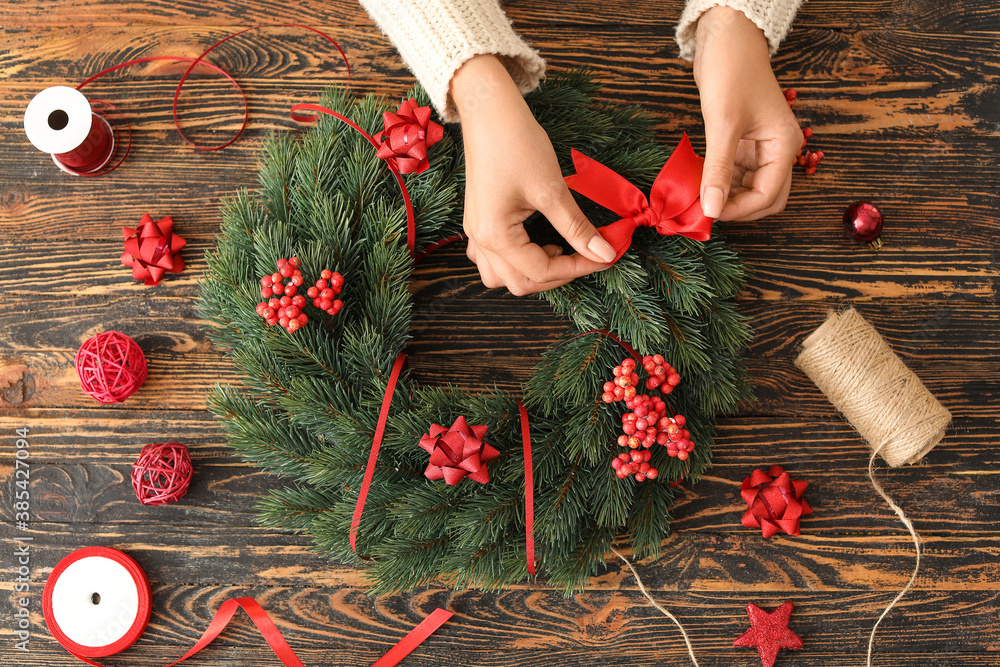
[529, 491]
[269, 631]
[673, 206]
[383, 416]
[411, 223]
[437, 245]
[628, 348]
[177, 92]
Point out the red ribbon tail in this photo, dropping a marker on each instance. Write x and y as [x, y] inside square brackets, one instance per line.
[414, 639]
[529, 491]
[619, 235]
[383, 417]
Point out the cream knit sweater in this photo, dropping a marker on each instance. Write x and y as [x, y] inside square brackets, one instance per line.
[435, 37]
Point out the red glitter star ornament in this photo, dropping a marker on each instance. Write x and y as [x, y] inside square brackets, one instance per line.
[152, 249]
[769, 632]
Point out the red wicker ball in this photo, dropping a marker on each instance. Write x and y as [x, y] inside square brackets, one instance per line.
[162, 473]
[111, 367]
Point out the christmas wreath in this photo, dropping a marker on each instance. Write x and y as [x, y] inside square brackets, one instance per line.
[316, 393]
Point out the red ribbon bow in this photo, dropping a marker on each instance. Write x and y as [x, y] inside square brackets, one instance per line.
[407, 135]
[152, 249]
[775, 501]
[672, 207]
[458, 452]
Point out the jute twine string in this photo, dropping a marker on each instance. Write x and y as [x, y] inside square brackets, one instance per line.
[857, 370]
[883, 399]
[656, 604]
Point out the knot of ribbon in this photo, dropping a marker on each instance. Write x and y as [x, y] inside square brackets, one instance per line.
[673, 206]
[408, 133]
[775, 501]
[152, 249]
[457, 452]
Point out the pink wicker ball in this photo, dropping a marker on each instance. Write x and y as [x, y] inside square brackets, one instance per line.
[162, 473]
[111, 367]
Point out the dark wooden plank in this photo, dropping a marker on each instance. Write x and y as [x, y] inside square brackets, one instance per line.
[82, 462]
[534, 628]
[493, 338]
[872, 15]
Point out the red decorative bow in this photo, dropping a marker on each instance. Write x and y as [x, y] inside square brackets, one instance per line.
[775, 501]
[458, 452]
[152, 249]
[672, 207]
[407, 135]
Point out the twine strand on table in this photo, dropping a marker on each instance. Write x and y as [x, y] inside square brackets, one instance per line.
[656, 604]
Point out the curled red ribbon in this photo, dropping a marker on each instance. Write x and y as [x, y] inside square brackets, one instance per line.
[673, 206]
[411, 221]
[408, 133]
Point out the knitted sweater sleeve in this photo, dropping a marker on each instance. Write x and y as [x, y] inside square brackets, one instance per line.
[774, 17]
[436, 37]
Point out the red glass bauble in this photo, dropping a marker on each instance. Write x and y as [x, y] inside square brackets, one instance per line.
[863, 223]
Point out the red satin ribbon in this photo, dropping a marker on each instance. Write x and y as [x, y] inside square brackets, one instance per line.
[420, 256]
[529, 491]
[383, 416]
[411, 224]
[177, 92]
[269, 631]
[672, 208]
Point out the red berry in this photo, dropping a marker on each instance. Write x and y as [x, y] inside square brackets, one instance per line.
[272, 321]
[662, 438]
[639, 477]
[810, 170]
[636, 457]
[260, 308]
[634, 442]
[276, 278]
[819, 155]
[813, 158]
[628, 428]
[652, 474]
[641, 425]
[268, 313]
[673, 379]
[629, 392]
[326, 294]
[285, 301]
[286, 270]
[337, 280]
[281, 263]
[647, 455]
[807, 132]
[292, 312]
[325, 304]
[322, 284]
[283, 321]
[622, 381]
[623, 441]
[265, 281]
[274, 304]
[325, 274]
[266, 292]
[293, 326]
[682, 455]
[802, 160]
[680, 420]
[790, 94]
[303, 319]
[608, 397]
[297, 280]
[616, 463]
[299, 300]
[291, 290]
[294, 261]
[313, 292]
[652, 383]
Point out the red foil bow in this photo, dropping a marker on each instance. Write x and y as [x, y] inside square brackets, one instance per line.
[407, 135]
[458, 452]
[152, 249]
[672, 208]
[775, 501]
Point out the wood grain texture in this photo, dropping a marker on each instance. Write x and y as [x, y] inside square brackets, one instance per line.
[902, 99]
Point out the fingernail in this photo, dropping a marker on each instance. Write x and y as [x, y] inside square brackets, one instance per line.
[712, 202]
[601, 248]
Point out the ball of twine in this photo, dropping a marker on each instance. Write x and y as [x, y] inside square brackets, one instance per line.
[162, 473]
[111, 367]
[883, 399]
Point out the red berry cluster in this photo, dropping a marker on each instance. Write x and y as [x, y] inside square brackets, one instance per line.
[324, 292]
[807, 159]
[650, 422]
[285, 305]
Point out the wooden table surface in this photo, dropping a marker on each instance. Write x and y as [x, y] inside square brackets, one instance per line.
[904, 100]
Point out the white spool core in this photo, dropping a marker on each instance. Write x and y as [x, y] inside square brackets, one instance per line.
[58, 119]
[77, 611]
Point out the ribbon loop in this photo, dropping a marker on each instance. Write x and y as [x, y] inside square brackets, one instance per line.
[673, 206]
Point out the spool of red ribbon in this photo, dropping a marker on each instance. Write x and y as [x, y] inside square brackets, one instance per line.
[97, 602]
[60, 121]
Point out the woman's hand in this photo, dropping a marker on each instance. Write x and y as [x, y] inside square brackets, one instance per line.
[751, 133]
[511, 172]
